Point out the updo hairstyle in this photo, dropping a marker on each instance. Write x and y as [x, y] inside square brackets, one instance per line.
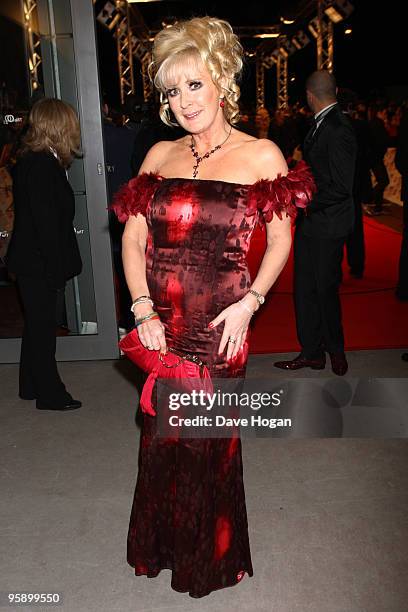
[208, 39]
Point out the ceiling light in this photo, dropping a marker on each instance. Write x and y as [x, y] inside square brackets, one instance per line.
[286, 21]
[333, 14]
[337, 10]
[268, 35]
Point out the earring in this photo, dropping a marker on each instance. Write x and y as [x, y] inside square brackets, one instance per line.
[222, 103]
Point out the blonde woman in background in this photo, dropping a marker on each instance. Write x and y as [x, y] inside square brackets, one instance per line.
[43, 252]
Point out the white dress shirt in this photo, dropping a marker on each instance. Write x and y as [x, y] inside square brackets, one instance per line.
[321, 115]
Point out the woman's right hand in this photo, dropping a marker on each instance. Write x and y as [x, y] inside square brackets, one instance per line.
[151, 332]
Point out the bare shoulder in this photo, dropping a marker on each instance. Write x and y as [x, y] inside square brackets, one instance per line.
[268, 159]
[242, 137]
[156, 154]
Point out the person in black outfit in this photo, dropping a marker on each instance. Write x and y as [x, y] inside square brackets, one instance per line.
[379, 143]
[401, 163]
[283, 132]
[43, 252]
[362, 189]
[151, 131]
[330, 149]
[118, 144]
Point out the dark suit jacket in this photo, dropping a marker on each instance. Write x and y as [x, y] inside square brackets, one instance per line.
[43, 241]
[379, 140]
[401, 155]
[331, 155]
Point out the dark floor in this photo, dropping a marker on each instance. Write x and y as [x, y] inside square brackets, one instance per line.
[391, 216]
[328, 518]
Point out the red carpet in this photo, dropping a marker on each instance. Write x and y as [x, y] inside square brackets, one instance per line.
[372, 317]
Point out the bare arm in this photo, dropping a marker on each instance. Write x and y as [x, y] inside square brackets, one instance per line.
[134, 242]
[278, 244]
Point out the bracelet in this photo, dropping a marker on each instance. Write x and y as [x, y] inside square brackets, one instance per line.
[141, 300]
[149, 314]
[145, 317]
[149, 317]
[246, 307]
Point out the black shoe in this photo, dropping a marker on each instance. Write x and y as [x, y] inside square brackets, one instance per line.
[26, 396]
[404, 356]
[70, 405]
[300, 362]
[339, 363]
[356, 274]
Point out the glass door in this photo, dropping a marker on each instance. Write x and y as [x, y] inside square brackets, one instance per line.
[50, 51]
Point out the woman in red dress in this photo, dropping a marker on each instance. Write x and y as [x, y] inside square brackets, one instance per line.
[189, 219]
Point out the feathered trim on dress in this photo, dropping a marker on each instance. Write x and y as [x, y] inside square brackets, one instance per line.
[285, 194]
[133, 197]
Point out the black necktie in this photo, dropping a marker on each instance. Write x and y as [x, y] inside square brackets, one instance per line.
[313, 126]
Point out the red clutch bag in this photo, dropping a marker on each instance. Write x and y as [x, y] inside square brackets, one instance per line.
[187, 371]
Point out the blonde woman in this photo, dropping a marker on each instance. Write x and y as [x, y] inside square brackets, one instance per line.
[43, 252]
[189, 219]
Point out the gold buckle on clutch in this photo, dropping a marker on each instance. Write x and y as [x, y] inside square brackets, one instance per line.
[183, 357]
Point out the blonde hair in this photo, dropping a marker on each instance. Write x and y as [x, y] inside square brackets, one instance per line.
[53, 124]
[208, 39]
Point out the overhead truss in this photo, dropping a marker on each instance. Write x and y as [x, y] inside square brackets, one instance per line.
[33, 43]
[134, 41]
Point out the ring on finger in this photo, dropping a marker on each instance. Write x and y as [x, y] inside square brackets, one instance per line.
[231, 340]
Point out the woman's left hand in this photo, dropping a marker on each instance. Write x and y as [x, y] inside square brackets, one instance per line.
[236, 320]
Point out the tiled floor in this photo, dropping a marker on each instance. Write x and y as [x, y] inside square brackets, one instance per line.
[328, 518]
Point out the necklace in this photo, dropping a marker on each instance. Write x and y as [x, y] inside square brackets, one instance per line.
[199, 158]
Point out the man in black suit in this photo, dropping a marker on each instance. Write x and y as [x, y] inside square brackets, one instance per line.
[362, 189]
[401, 163]
[330, 149]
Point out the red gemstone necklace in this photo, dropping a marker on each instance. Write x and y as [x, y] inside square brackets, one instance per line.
[199, 158]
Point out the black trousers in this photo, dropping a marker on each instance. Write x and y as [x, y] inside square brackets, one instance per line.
[402, 287]
[39, 377]
[381, 176]
[126, 318]
[355, 242]
[317, 302]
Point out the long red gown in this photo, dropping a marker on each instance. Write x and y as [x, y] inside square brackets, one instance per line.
[189, 513]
